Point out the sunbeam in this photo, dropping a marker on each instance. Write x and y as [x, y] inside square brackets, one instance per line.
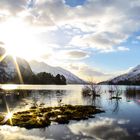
[8, 115]
[18, 71]
[2, 57]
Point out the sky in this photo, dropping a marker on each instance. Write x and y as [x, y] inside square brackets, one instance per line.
[91, 38]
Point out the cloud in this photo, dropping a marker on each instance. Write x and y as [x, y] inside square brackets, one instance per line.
[104, 24]
[104, 42]
[70, 55]
[88, 72]
[14, 7]
[138, 37]
[122, 48]
[99, 26]
[76, 54]
[99, 41]
[2, 43]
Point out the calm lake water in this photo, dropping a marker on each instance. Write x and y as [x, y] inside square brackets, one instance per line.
[121, 120]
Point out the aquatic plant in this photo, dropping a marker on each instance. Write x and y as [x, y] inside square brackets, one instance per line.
[114, 92]
[92, 88]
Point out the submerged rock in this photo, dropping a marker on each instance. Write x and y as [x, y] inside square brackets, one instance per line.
[42, 117]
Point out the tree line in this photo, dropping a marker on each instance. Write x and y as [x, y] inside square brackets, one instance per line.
[40, 78]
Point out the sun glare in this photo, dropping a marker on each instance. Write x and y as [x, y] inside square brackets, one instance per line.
[20, 40]
[9, 87]
[9, 115]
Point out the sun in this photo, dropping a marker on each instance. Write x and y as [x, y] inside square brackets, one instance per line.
[20, 40]
[23, 46]
[11, 52]
[24, 40]
[30, 49]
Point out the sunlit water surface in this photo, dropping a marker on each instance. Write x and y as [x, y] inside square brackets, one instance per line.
[120, 121]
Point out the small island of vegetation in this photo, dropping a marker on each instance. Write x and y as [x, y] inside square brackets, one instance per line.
[39, 117]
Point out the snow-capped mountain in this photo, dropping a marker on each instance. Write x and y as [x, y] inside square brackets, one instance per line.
[43, 67]
[8, 70]
[132, 77]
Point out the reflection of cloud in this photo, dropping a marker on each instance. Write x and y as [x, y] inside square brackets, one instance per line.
[16, 133]
[105, 128]
[122, 121]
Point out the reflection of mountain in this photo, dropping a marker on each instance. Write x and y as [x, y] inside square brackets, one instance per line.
[43, 67]
[8, 70]
[133, 94]
[132, 77]
[14, 100]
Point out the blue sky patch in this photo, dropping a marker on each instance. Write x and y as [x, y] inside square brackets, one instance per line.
[74, 3]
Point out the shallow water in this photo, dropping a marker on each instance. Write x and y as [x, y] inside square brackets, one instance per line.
[120, 120]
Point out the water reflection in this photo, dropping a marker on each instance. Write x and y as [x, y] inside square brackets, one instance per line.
[103, 128]
[91, 100]
[115, 105]
[12, 99]
[54, 132]
[120, 120]
[132, 93]
[23, 99]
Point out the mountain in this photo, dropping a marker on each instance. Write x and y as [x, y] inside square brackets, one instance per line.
[9, 71]
[130, 78]
[38, 67]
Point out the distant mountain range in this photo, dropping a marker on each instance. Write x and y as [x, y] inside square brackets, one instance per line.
[10, 74]
[130, 78]
[38, 67]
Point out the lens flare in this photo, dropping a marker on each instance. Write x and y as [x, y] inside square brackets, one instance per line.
[2, 57]
[8, 87]
[9, 115]
[18, 70]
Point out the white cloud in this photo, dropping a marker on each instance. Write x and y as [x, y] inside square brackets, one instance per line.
[76, 54]
[122, 48]
[104, 42]
[100, 41]
[88, 72]
[12, 8]
[104, 24]
[138, 37]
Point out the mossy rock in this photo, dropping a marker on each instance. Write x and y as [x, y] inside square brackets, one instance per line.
[1, 118]
[62, 119]
[42, 117]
